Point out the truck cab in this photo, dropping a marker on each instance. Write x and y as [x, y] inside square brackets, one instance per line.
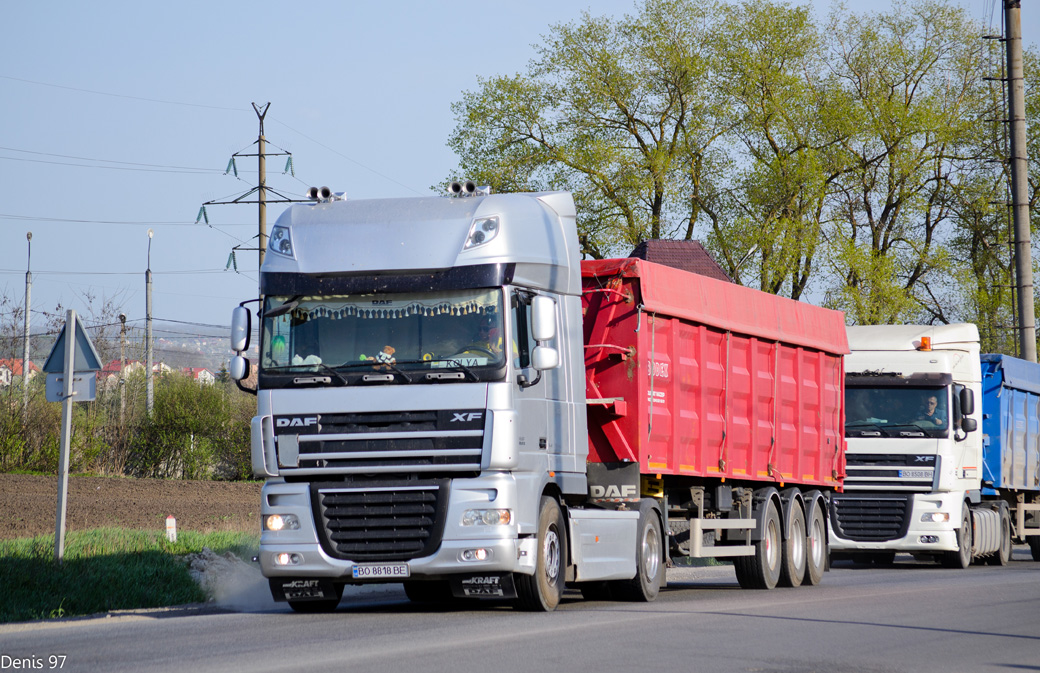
[914, 450]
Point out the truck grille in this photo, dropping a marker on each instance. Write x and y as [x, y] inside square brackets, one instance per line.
[407, 442]
[912, 473]
[870, 518]
[386, 523]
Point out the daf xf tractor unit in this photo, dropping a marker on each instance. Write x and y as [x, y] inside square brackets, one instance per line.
[942, 448]
[449, 398]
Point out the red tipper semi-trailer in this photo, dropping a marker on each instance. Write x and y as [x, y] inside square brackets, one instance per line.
[449, 398]
[722, 403]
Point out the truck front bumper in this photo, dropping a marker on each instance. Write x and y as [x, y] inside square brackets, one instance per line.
[931, 527]
[299, 553]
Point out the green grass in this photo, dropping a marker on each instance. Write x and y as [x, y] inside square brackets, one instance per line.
[105, 569]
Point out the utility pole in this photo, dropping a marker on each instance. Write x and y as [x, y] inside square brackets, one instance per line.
[261, 153]
[149, 387]
[1020, 179]
[25, 332]
[122, 370]
[261, 190]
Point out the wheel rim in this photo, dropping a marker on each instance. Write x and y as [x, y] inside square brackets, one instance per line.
[551, 555]
[816, 543]
[651, 558]
[772, 555]
[798, 547]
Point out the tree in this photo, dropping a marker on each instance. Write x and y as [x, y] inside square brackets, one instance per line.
[785, 133]
[913, 95]
[622, 113]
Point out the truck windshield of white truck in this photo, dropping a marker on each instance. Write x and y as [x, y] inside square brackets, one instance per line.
[383, 338]
[898, 411]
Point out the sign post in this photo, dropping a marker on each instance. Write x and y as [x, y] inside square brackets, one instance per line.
[64, 389]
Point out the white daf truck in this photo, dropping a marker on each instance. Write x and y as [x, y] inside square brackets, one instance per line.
[914, 461]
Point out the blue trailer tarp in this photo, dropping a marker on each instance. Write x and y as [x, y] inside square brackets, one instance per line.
[1010, 424]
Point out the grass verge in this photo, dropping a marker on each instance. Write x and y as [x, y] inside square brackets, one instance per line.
[105, 569]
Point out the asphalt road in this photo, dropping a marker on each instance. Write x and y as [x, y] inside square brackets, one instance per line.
[906, 617]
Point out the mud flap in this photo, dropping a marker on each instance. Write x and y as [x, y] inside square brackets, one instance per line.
[483, 585]
[302, 589]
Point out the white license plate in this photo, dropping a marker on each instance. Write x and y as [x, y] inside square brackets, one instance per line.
[381, 571]
[915, 474]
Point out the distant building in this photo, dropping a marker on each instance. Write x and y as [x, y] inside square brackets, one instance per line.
[685, 255]
[200, 374]
[11, 369]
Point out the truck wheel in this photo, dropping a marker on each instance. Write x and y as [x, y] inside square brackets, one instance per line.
[816, 548]
[1034, 546]
[1003, 555]
[793, 561]
[645, 586]
[761, 570]
[961, 558]
[542, 591]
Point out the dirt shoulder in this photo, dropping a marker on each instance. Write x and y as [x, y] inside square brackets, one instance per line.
[29, 504]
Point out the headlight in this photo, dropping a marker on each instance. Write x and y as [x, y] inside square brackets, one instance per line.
[487, 517]
[481, 231]
[281, 241]
[276, 522]
[935, 517]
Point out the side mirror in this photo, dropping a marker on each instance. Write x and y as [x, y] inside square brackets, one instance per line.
[969, 424]
[240, 328]
[544, 358]
[967, 403]
[238, 368]
[543, 319]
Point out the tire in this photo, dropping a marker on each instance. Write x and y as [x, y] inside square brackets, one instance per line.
[542, 591]
[1034, 546]
[816, 548]
[793, 561]
[318, 606]
[961, 558]
[761, 570]
[645, 586]
[438, 591]
[1003, 554]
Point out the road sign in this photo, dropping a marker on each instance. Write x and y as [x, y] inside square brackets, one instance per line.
[86, 358]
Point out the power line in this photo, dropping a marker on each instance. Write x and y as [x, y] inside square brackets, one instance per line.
[117, 95]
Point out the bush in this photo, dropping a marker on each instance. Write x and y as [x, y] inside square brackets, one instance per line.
[194, 432]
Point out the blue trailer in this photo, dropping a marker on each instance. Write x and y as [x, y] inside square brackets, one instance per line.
[1011, 444]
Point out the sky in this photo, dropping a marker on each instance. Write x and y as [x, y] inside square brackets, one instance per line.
[121, 117]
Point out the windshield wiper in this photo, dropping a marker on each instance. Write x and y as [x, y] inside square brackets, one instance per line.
[281, 309]
[319, 365]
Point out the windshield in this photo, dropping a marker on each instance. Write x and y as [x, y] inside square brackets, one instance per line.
[401, 338]
[896, 412]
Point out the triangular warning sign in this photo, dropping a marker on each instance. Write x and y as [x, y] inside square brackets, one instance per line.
[86, 356]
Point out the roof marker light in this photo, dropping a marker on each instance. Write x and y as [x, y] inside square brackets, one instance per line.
[926, 344]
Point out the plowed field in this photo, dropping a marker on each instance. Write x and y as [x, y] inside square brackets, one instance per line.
[28, 504]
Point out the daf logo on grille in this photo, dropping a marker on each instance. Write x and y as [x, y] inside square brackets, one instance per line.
[466, 418]
[297, 422]
[924, 459]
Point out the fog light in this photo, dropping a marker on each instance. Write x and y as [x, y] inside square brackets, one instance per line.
[929, 539]
[277, 522]
[935, 517]
[487, 517]
[285, 559]
[475, 554]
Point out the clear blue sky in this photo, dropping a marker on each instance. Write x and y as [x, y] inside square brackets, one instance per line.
[118, 117]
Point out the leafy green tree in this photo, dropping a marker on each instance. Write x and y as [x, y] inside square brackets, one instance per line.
[913, 95]
[785, 133]
[623, 113]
